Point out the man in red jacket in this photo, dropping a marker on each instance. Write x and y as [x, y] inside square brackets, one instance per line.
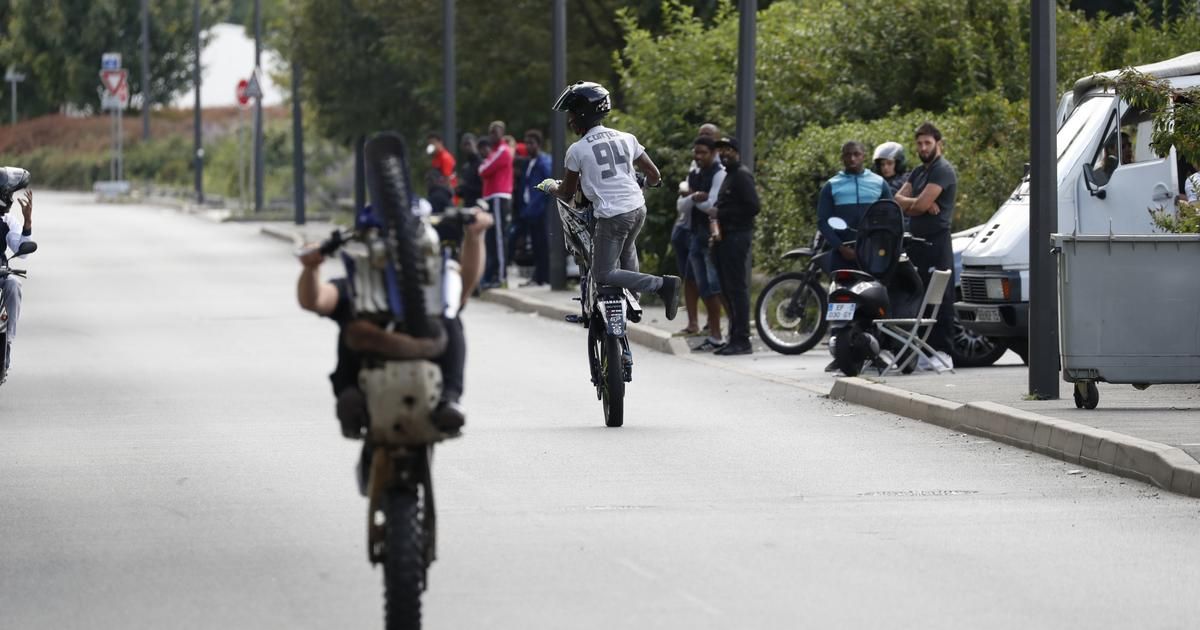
[440, 158]
[497, 173]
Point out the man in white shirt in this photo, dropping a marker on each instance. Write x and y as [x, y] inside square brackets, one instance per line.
[602, 163]
[13, 232]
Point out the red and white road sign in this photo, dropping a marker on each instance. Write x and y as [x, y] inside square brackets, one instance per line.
[114, 80]
[243, 96]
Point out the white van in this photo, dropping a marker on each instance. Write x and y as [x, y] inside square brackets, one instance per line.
[1105, 186]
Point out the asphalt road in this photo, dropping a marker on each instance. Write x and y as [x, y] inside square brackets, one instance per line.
[169, 458]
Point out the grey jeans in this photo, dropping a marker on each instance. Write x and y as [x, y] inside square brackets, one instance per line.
[11, 290]
[616, 241]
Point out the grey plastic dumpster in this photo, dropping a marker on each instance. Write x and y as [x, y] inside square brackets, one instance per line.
[1129, 310]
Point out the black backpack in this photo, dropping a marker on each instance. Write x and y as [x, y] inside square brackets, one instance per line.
[880, 239]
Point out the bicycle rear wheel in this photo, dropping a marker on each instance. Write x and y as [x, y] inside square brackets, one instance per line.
[612, 379]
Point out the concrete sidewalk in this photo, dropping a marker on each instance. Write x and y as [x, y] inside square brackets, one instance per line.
[1152, 435]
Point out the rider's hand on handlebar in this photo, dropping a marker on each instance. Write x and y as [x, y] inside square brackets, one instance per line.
[548, 185]
[310, 256]
[483, 220]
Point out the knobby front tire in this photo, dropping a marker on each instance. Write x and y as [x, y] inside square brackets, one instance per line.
[403, 564]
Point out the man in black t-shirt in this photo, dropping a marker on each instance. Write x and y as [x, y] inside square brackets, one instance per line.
[928, 198]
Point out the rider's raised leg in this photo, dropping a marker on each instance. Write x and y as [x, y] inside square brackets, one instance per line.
[615, 243]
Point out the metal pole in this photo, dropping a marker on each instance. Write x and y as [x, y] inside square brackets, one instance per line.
[258, 113]
[449, 74]
[1043, 209]
[120, 144]
[197, 140]
[558, 140]
[745, 79]
[13, 86]
[112, 159]
[360, 174]
[297, 145]
[241, 153]
[145, 69]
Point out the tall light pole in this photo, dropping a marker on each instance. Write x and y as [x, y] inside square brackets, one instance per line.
[198, 157]
[449, 75]
[258, 113]
[747, 27]
[558, 137]
[145, 69]
[1043, 207]
[297, 144]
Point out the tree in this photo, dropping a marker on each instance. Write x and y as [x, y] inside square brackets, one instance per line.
[59, 44]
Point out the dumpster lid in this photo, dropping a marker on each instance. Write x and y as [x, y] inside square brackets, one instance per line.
[1059, 239]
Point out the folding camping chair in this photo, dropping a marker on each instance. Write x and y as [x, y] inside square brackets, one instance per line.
[908, 331]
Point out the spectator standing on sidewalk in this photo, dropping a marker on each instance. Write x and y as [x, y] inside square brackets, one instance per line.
[705, 185]
[497, 173]
[737, 205]
[889, 164]
[470, 184]
[681, 238]
[440, 158]
[847, 196]
[928, 197]
[533, 214]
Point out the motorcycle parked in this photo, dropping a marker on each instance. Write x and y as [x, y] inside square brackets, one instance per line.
[790, 310]
[28, 247]
[604, 311]
[888, 286]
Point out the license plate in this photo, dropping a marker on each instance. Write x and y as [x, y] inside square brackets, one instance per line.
[988, 315]
[840, 312]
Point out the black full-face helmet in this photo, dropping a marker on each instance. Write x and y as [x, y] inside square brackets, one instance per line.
[587, 100]
[12, 179]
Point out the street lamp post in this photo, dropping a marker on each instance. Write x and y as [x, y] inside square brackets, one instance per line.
[558, 137]
[145, 69]
[258, 113]
[449, 74]
[198, 157]
[1043, 207]
[747, 26]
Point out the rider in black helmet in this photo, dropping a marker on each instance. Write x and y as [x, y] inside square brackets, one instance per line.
[602, 163]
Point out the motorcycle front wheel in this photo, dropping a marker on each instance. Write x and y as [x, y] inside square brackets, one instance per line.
[612, 381]
[790, 313]
[404, 562]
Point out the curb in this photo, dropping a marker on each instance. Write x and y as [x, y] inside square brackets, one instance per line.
[652, 338]
[1107, 451]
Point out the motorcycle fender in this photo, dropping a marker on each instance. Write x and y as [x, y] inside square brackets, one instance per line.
[613, 312]
[800, 252]
[401, 397]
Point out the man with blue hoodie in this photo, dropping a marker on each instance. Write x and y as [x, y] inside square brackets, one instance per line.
[847, 195]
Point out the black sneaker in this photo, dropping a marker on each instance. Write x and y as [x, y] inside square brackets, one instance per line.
[833, 367]
[670, 295]
[449, 417]
[732, 349]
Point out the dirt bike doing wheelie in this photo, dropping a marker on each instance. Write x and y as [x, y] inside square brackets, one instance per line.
[403, 282]
[605, 311]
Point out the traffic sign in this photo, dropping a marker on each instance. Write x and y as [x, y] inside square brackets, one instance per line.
[243, 97]
[12, 76]
[254, 88]
[110, 61]
[113, 80]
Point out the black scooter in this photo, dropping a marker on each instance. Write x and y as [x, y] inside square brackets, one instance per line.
[886, 285]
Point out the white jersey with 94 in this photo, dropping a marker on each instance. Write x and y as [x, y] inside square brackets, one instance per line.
[604, 159]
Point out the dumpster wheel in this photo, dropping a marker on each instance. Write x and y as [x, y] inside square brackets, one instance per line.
[1087, 395]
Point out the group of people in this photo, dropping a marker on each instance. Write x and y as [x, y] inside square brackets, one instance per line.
[501, 172]
[925, 196]
[712, 238]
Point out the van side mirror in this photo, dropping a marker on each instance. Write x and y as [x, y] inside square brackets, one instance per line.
[28, 247]
[1089, 180]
